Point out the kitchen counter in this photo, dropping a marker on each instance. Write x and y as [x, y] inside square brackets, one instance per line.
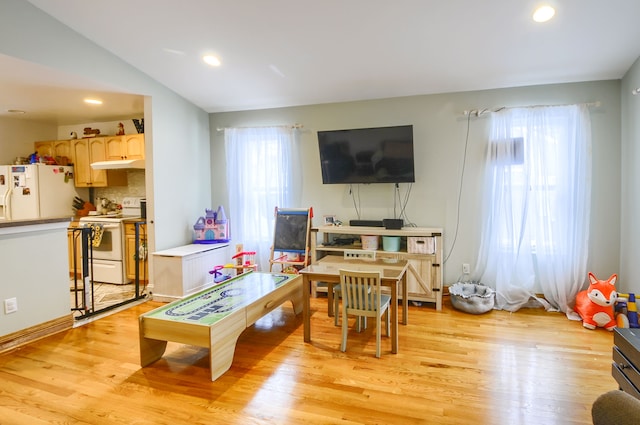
[21, 226]
[35, 272]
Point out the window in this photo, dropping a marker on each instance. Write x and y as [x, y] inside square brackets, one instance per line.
[536, 213]
[262, 173]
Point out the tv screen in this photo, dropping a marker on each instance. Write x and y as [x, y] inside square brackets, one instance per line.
[367, 155]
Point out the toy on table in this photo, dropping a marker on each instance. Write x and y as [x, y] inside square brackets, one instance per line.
[244, 260]
[243, 264]
[218, 276]
[595, 304]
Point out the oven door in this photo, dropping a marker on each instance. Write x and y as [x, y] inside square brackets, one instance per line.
[109, 246]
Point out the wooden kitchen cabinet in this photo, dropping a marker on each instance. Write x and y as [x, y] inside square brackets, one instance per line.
[134, 253]
[77, 254]
[86, 151]
[55, 148]
[129, 146]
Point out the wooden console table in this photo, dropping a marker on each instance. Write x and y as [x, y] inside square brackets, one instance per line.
[216, 317]
[413, 248]
[626, 360]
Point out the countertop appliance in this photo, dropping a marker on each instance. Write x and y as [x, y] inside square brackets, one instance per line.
[37, 191]
[108, 262]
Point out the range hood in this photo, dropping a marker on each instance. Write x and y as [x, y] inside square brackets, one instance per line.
[113, 165]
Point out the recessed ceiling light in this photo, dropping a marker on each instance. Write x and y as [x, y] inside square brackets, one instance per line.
[93, 101]
[543, 13]
[211, 60]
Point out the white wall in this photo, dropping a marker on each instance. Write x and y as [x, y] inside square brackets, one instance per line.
[440, 130]
[17, 137]
[35, 271]
[178, 181]
[630, 236]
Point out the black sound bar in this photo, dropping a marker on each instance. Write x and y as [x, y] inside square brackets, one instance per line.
[367, 223]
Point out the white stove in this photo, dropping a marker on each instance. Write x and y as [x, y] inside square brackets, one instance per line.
[108, 242]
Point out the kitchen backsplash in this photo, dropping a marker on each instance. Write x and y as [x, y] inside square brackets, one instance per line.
[135, 187]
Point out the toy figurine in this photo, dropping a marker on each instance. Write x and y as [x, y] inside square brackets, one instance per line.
[595, 304]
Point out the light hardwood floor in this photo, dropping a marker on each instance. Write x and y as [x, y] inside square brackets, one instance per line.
[529, 367]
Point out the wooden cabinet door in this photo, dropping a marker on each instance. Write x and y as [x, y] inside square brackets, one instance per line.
[62, 148]
[130, 256]
[133, 145]
[114, 148]
[82, 168]
[78, 251]
[132, 252]
[97, 153]
[44, 148]
[54, 148]
[423, 267]
[86, 151]
[124, 147]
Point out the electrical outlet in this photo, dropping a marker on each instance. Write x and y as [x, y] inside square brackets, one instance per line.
[465, 268]
[10, 305]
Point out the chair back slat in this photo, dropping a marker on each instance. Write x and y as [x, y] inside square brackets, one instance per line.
[361, 297]
[361, 291]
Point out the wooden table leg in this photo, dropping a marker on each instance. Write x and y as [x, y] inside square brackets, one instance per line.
[150, 349]
[405, 300]
[306, 307]
[222, 344]
[330, 294]
[394, 318]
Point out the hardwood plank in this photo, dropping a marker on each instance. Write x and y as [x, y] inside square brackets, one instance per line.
[529, 367]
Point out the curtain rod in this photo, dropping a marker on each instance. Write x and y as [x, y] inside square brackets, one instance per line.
[478, 112]
[294, 126]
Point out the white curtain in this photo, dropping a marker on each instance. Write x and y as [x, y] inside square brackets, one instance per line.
[537, 206]
[263, 172]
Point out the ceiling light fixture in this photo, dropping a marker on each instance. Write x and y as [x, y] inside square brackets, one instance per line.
[211, 60]
[543, 13]
[93, 101]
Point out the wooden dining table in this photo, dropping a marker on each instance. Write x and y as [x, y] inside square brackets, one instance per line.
[327, 269]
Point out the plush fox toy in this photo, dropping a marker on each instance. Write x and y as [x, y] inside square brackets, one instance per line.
[595, 304]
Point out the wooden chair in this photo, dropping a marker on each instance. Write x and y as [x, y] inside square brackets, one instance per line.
[361, 297]
[360, 254]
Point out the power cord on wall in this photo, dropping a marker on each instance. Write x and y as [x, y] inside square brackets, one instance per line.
[403, 204]
[356, 206]
[464, 163]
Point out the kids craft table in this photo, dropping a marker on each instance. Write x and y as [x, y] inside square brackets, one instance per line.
[216, 317]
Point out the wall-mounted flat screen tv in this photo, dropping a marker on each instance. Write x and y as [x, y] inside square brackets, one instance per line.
[367, 155]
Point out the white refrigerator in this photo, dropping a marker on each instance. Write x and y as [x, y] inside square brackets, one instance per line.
[4, 191]
[38, 191]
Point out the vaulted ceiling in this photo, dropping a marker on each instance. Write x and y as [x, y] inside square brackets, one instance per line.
[294, 52]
